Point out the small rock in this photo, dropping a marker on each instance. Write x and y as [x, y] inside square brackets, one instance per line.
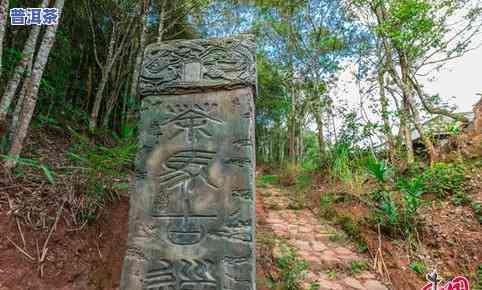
[343, 251]
[329, 258]
[354, 283]
[302, 245]
[328, 285]
[375, 285]
[366, 276]
[319, 246]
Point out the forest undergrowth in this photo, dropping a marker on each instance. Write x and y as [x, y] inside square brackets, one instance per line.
[411, 220]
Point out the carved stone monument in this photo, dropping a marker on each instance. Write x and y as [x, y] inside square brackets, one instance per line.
[192, 215]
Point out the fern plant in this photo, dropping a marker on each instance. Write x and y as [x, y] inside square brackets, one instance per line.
[379, 170]
[49, 174]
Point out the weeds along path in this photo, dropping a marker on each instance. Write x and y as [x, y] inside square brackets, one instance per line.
[332, 262]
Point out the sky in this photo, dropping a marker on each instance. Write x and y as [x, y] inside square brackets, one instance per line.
[461, 79]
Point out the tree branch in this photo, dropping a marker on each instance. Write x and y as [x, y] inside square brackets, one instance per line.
[435, 110]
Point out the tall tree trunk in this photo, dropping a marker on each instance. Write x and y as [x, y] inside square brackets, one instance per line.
[3, 26]
[105, 72]
[416, 118]
[292, 129]
[18, 109]
[112, 56]
[31, 94]
[89, 87]
[319, 124]
[120, 74]
[301, 144]
[335, 136]
[98, 99]
[140, 52]
[379, 11]
[162, 20]
[25, 62]
[405, 131]
[20, 101]
[387, 129]
[321, 137]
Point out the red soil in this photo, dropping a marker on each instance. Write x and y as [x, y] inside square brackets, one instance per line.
[87, 259]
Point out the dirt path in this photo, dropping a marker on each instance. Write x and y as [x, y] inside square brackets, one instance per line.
[334, 265]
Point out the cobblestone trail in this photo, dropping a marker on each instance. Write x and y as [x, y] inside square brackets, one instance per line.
[331, 262]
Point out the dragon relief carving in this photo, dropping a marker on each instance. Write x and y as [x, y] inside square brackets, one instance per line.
[178, 67]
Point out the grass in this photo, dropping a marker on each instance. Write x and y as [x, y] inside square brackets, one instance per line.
[266, 239]
[326, 206]
[265, 180]
[303, 182]
[361, 247]
[332, 274]
[292, 269]
[478, 277]
[106, 170]
[357, 267]
[419, 267]
[349, 226]
[444, 179]
[337, 237]
[477, 208]
[32, 163]
[461, 198]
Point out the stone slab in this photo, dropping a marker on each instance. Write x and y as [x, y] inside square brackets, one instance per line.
[192, 215]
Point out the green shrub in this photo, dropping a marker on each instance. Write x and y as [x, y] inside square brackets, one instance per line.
[326, 205]
[444, 179]
[303, 182]
[461, 198]
[350, 227]
[289, 174]
[106, 169]
[108, 160]
[264, 180]
[362, 246]
[341, 168]
[418, 267]
[388, 213]
[400, 216]
[357, 267]
[478, 277]
[379, 170]
[477, 207]
[413, 186]
[412, 190]
[28, 162]
[292, 269]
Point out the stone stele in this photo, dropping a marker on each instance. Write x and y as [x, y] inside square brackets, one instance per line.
[192, 215]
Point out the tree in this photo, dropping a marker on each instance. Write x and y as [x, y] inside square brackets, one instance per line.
[31, 93]
[142, 45]
[120, 30]
[309, 38]
[3, 24]
[24, 66]
[414, 35]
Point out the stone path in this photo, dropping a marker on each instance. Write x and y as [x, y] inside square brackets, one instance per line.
[333, 266]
